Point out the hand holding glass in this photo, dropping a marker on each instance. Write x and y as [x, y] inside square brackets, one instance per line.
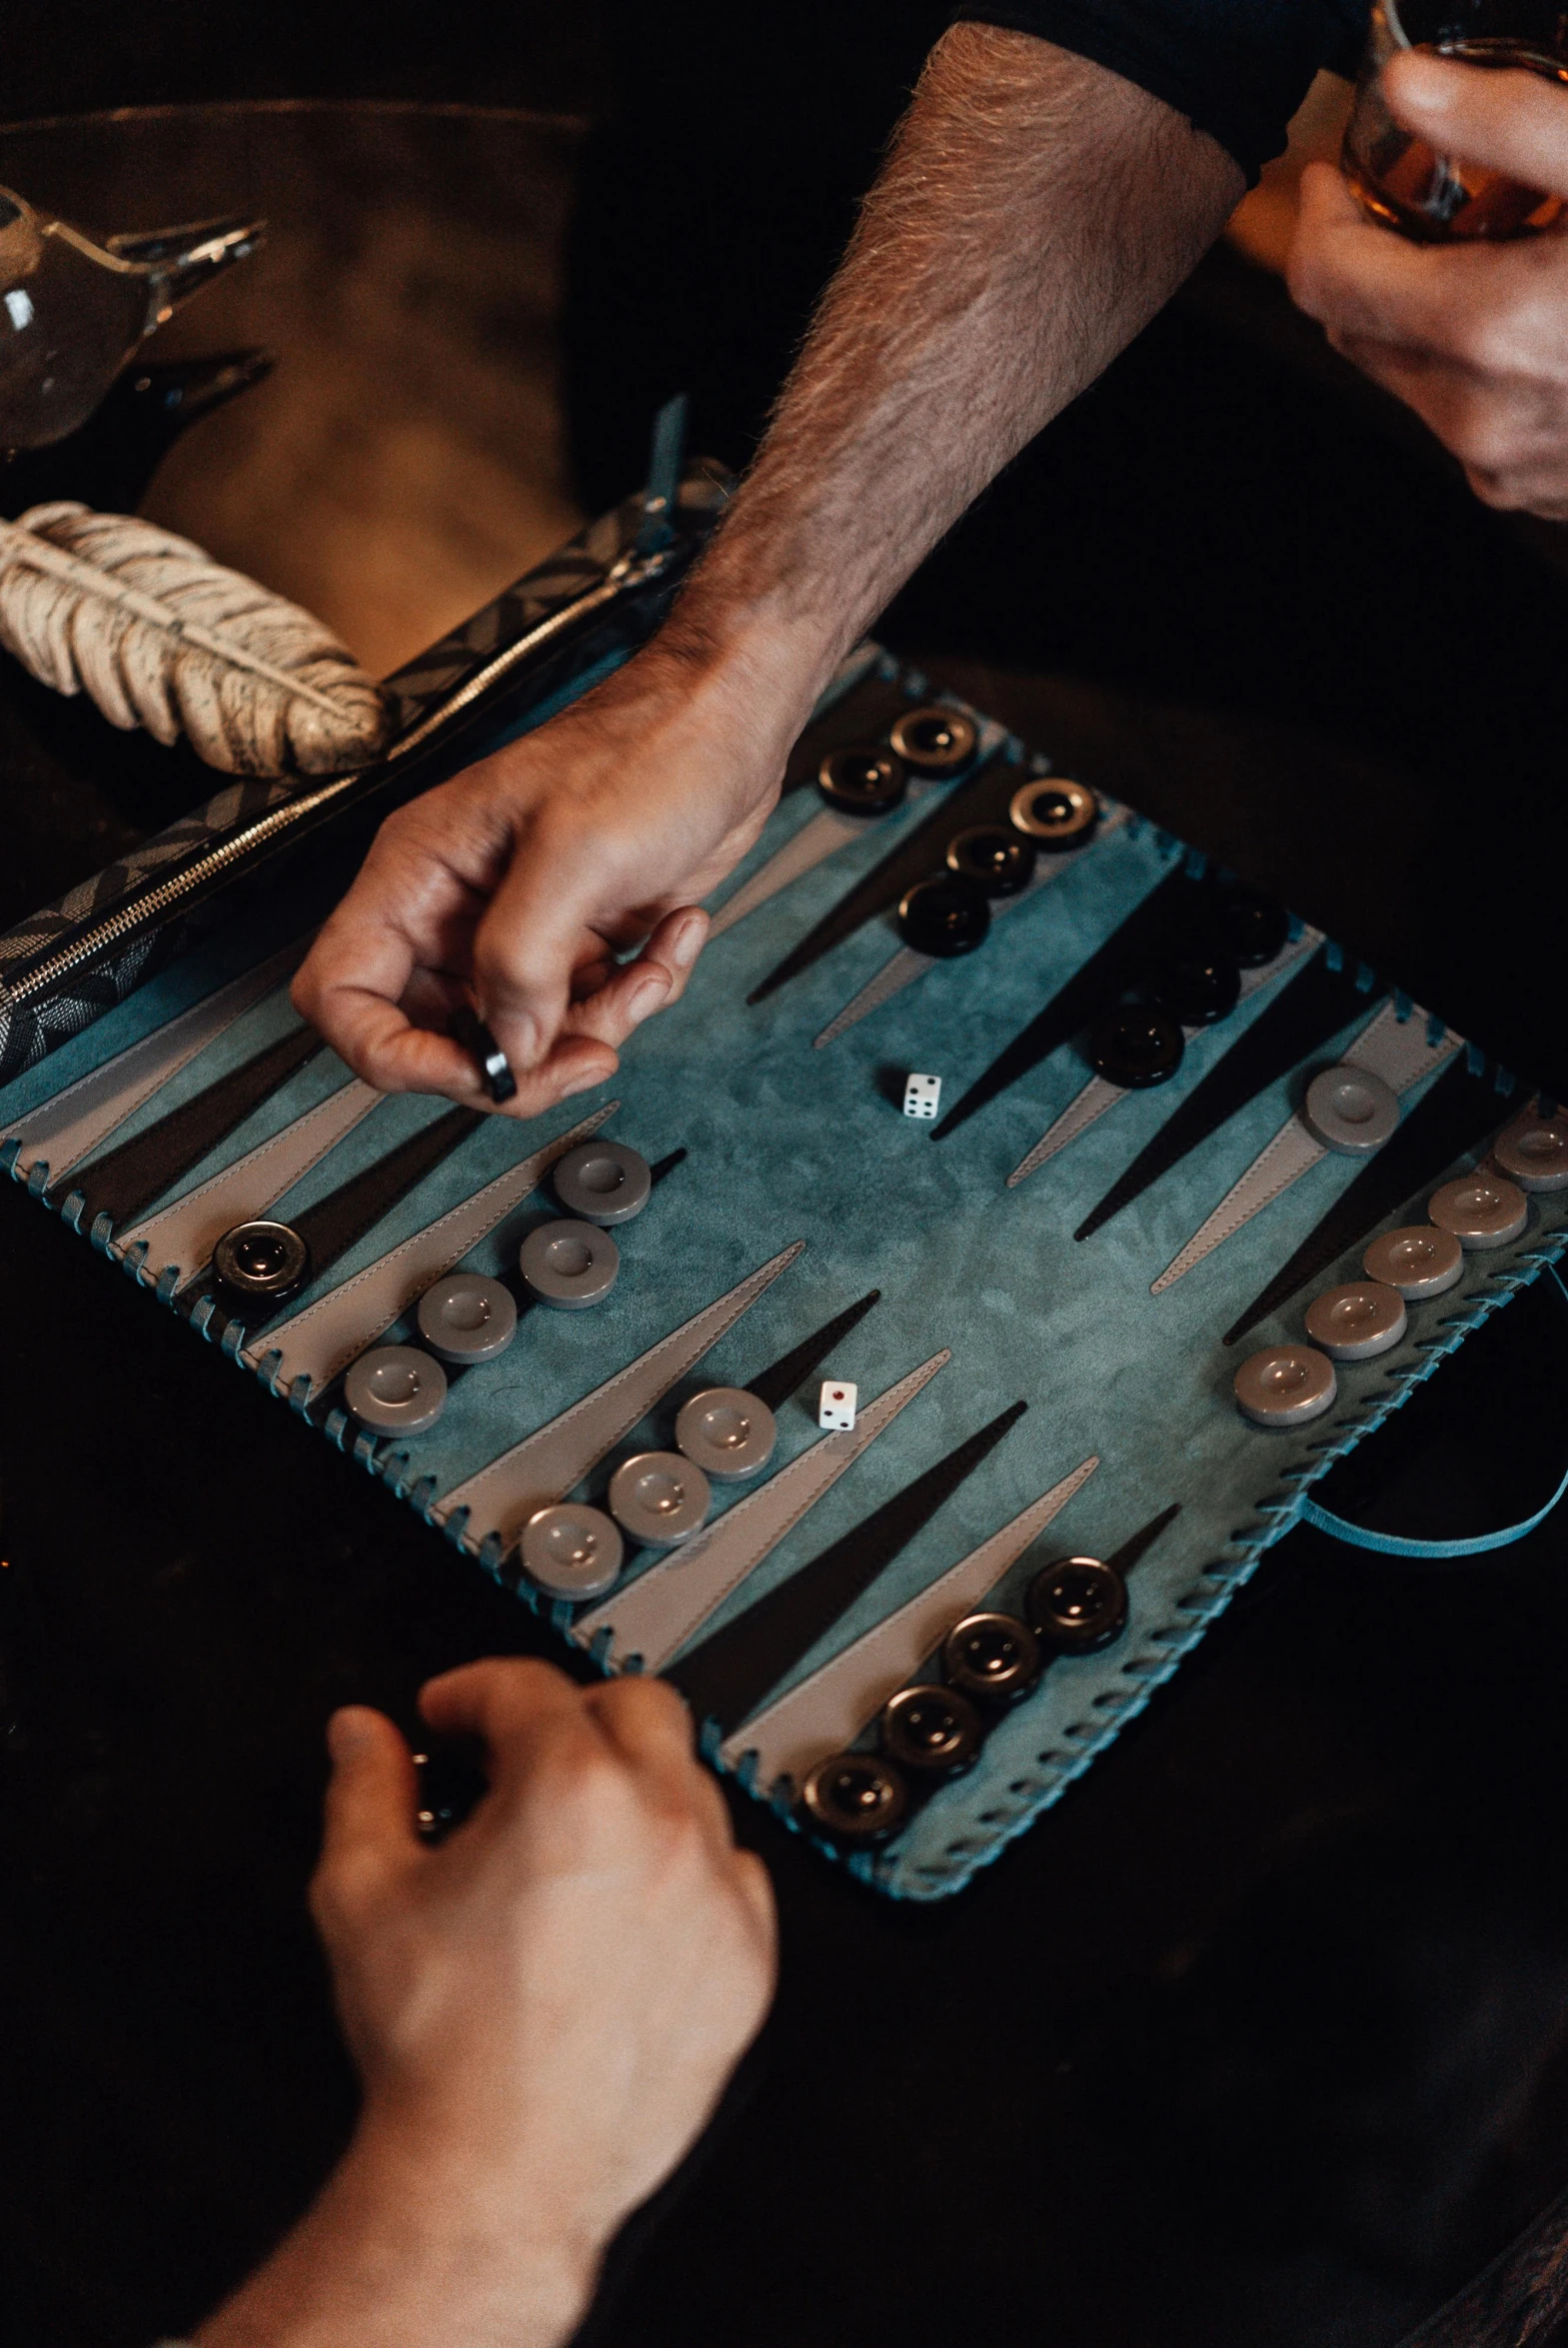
[1401, 180]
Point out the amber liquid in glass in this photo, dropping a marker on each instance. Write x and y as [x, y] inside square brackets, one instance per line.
[1433, 197]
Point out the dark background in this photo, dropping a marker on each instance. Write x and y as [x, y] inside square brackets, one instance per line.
[1260, 2038]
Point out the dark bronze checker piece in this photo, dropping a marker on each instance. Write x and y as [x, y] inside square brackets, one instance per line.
[1136, 1046]
[1055, 814]
[944, 915]
[863, 780]
[933, 739]
[1249, 929]
[1197, 988]
[1000, 861]
[994, 1659]
[855, 1799]
[935, 1731]
[1077, 1606]
[261, 1263]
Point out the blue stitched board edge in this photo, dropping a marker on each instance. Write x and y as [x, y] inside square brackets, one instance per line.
[788, 1141]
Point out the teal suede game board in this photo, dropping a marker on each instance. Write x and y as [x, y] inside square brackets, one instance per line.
[826, 1583]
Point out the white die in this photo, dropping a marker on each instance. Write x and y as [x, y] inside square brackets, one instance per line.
[836, 1404]
[920, 1096]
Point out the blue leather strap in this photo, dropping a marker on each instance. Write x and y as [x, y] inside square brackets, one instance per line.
[1393, 1544]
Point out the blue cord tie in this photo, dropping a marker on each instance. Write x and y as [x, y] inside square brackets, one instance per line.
[1394, 1544]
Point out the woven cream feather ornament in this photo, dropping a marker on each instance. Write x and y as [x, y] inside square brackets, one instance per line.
[159, 634]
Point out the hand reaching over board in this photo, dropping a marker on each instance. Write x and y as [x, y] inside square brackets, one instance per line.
[520, 885]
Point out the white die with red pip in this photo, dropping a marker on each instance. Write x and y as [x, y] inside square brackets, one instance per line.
[836, 1404]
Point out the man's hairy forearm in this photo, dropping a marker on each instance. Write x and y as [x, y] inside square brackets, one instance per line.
[1034, 211]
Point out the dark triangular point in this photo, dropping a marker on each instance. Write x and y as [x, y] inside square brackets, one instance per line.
[731, 1673]
[1144, 1541]
[1171, 911]
[340, 1221]
[982, 798]
[787, 1375]
[126, 1180]
[1311, 1007]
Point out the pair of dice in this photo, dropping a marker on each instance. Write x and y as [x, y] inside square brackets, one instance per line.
[839, 1398]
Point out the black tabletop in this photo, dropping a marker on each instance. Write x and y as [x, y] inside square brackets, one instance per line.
[1259, 2037]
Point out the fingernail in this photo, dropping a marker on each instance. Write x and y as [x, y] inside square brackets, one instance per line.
[585, 1084]
[520, 1043]
[687, 944]
[646, 997]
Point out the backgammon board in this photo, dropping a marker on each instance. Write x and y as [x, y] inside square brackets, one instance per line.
[1196, 1201]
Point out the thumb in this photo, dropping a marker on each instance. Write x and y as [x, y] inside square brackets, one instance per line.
[1513, 122]
[369, 1834]
[1327, 241]
[1326, 203]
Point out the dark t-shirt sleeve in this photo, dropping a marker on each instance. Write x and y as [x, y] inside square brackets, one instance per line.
[1239, 69]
